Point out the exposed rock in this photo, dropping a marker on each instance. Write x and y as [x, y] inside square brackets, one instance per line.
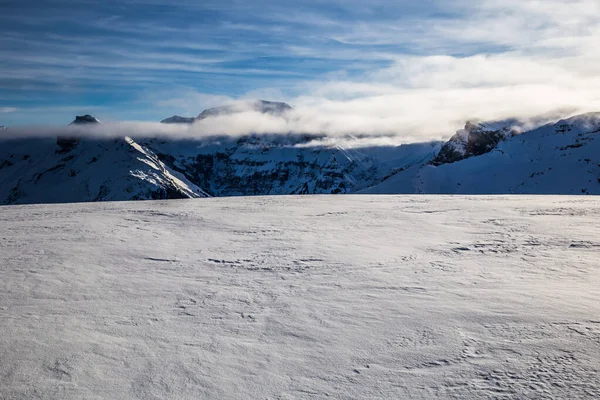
[176, 119]
[278, 164]
[85, 119]
[474, 140]
[68, 143]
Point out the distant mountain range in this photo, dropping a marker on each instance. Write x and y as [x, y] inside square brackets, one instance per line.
[261, 106]
[482, 158]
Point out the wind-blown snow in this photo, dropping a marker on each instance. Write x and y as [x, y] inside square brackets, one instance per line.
[302, 297]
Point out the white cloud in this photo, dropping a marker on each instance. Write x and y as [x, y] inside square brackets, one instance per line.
[533, 58]
[490, 59]
[7, 109]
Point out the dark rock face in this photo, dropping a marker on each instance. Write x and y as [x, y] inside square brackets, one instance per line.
[176, 119]
[84, 119]
[261, 106]
[474, 140]
[265, 165]
[66, 144]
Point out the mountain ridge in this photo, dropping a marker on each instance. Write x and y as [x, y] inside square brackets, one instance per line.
[481, 158]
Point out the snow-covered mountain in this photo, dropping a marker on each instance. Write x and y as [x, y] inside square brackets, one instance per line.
[475, 139]
[62, 170]
[68, 169]
[561, 158]
[283, 164]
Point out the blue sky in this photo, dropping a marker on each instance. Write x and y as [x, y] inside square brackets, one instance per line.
[148, 59]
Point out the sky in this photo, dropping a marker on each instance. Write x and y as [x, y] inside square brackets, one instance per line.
[418, 69]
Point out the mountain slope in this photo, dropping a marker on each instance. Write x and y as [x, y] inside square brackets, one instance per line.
[561, 158]
[284, 164]
[474, 140]
[72, 169]
[44, 171]
[483, 158]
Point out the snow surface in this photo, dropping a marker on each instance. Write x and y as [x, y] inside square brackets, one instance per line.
[302, 297]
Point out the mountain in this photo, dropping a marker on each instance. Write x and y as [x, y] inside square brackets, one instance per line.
[65, 170]
[3, 128]
[482, 158]
[283, 164]
[84, 119]
[560, 158]
[176, 119]
[73, 170]
[260, 106]
[475, 139]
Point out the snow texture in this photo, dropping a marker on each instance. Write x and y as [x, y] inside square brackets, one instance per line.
[302, 297]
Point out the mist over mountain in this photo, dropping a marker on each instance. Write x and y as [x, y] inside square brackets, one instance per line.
[93, 161]
[258, 106]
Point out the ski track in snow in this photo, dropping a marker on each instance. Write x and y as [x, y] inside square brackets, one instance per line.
[302, 297]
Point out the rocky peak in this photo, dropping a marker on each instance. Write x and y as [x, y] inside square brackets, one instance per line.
[85, 119]
[475, 139]
[176, 119]
[67, 143]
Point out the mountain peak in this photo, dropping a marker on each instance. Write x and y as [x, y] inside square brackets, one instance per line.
[85, 119]
[176, 119]
[271, 107]
[475, 139]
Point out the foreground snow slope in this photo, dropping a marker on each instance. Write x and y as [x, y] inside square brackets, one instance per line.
[302, 297]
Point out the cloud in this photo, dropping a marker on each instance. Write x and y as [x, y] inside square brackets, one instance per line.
[403, 69]
[331, 124]
[7, 109]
